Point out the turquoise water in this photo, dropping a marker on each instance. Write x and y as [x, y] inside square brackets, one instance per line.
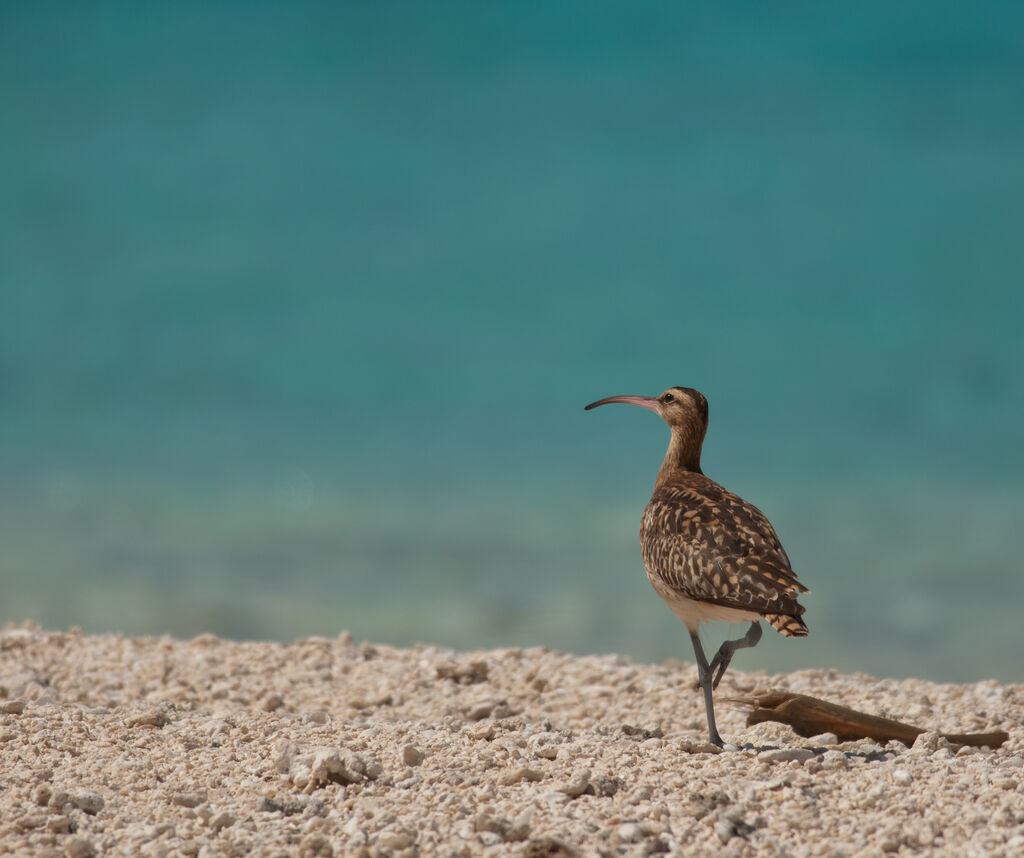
[300, 305]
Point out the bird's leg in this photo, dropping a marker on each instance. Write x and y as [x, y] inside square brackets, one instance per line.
[704, 680]
[726, 650]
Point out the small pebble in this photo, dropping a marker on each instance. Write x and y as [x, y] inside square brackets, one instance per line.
[522, 773]
[579, 784]
[89, 802]
[697, 747]
[59, 824]
[834, 760]
[79, 847]
[412, 756]
[786, 755]
[159, 716]
[188, 799]
[392, 840]
[629, 833]
[315, 845]
[272, 702]
[12, 707]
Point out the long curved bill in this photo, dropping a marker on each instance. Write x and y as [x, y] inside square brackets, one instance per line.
[650, 402]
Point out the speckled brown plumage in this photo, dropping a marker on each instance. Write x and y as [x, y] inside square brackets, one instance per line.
[707, 544]
[708, 553]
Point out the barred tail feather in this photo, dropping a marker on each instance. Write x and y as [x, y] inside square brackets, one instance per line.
[788, 624]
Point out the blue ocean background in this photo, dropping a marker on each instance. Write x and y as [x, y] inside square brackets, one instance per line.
[300, 305]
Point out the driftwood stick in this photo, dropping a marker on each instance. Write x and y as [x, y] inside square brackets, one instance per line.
[809, 716]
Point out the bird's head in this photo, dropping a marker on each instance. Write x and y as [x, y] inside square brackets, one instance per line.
[680, 407]
[686, 412]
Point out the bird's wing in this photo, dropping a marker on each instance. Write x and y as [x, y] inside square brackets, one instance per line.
[711, 545]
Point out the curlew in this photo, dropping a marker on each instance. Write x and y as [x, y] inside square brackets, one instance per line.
[708, 553]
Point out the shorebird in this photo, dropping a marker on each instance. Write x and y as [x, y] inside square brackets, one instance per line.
[708, 553]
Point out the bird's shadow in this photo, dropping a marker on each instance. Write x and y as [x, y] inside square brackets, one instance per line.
[879, 756]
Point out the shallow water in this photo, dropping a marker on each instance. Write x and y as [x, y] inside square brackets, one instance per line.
[300, 309]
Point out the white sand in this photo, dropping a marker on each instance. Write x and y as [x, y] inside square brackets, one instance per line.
[160, 747]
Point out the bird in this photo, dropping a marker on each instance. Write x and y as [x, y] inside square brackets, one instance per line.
[711, 555]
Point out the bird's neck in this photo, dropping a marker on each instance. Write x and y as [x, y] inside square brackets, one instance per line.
[683, 455]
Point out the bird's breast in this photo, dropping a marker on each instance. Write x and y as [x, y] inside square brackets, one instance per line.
[693, 612]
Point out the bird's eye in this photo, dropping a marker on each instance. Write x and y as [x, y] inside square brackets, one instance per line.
[668, 397]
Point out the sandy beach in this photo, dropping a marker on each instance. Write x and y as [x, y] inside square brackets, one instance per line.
[162, 747]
